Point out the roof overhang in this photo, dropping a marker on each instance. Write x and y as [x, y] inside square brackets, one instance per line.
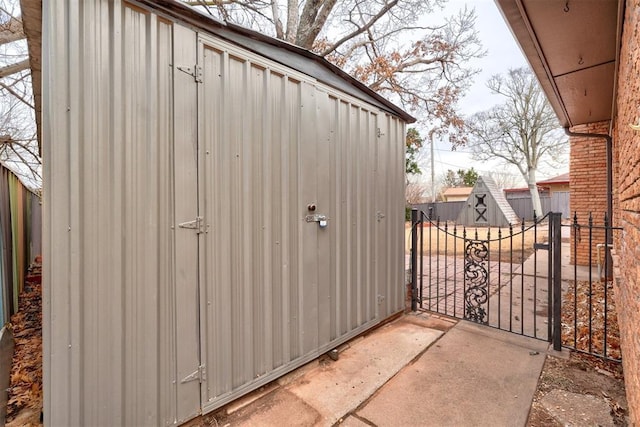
[572, 47]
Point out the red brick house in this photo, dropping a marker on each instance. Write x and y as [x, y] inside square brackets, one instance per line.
[586, 55]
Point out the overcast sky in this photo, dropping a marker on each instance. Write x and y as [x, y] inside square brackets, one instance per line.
[502, 53]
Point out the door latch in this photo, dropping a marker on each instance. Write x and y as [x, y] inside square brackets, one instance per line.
[322, 220]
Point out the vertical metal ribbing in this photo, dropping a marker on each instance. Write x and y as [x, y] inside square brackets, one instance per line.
[421, 251]
[430, 255]
[590, 284]
[446, 277]
[576, 230]
[489, 273]
[437, 264]
[414, 260]
[455, 268]
[550, 282]
[522, 278]
[510, 277]
[605, 282]
[535, 278]
[499, 276]
[464, 275]
[556, 219]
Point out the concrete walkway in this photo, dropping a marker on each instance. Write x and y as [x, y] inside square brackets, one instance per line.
[416, 371]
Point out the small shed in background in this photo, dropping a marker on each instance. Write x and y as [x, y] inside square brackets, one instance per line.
[221, 208]
[487, 206]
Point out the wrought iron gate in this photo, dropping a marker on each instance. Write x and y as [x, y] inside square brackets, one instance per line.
[519, 279]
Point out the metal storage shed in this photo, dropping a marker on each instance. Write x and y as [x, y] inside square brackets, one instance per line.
[487, 206]
[220, 208]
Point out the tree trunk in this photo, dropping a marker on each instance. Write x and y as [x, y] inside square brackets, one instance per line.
[535, 196]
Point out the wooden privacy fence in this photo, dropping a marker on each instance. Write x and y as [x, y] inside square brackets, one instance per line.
[449, 211]
[20, 238]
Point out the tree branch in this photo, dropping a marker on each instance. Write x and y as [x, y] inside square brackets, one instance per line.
[14, 68]
[360, 30]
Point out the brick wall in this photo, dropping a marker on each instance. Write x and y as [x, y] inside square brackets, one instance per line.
[588, 186]
[627, 204]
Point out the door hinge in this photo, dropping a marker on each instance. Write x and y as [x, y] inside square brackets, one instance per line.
[200, 375]
[195, 72]
[197, 224]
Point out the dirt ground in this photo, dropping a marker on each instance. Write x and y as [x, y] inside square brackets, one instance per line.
[514, 249]
[592, 379]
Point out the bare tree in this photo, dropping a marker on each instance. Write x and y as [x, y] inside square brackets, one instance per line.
[415, 192]
[505, 179]
[522, 131]
[383, 43]
[18, 140]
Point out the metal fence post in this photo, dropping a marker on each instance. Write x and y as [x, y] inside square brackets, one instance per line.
[556, 227]
[414, 259]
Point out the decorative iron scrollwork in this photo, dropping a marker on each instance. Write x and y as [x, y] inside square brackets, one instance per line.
[476, 292]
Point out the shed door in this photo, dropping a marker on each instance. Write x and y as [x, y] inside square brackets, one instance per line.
[286, 182]
[264, 259]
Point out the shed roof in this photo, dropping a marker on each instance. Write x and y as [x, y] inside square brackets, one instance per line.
[292, 56]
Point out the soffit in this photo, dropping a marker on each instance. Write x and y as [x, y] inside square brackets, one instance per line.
[571, 47]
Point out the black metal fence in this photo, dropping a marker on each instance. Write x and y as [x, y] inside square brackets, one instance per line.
[590, 323]
[520, 279]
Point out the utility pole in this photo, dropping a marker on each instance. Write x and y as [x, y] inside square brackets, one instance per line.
[433, 173]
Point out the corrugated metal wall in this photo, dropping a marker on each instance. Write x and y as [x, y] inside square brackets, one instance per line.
[138, 302]
[109, 293]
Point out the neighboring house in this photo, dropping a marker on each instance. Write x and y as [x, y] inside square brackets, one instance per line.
[221, 207]
[523, 192]
[557, 184]
[456, 194]
[586, 55]
[554, 197]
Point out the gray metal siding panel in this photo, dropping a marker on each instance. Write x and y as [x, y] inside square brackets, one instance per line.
[107, 219]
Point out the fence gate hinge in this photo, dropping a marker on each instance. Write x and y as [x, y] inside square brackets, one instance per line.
[197, 224]
[195, 72]
[200, 374]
